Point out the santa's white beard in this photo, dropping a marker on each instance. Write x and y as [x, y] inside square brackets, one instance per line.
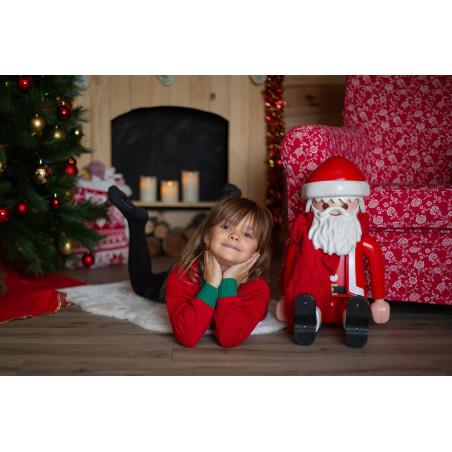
[335, 234]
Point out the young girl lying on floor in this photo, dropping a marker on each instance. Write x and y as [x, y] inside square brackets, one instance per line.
[218, 281]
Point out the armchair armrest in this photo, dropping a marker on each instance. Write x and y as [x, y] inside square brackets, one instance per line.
[305, 147]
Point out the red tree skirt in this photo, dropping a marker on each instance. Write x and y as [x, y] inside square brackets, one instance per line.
[28, 296]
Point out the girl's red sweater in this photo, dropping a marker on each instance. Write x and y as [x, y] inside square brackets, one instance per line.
[234, 312]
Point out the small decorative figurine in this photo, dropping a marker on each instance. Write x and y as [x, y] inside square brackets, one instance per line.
[323, 277]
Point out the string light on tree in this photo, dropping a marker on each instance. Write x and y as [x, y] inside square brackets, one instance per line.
[77, 132]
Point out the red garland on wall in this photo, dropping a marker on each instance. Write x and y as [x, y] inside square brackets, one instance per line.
[274, 118]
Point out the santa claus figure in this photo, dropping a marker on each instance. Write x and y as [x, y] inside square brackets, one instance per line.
[323, 277]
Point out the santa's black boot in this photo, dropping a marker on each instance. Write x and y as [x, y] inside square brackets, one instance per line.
[305, 320]
[357, 316]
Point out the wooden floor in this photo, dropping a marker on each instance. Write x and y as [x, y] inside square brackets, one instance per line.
[417, 341]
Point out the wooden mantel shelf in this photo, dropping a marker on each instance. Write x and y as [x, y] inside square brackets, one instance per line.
[175, 205]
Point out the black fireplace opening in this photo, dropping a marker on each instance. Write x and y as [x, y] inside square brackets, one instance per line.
[163, 141]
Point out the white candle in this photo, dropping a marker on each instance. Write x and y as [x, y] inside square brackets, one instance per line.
[169, 191]
[190, 186]
[148, 188]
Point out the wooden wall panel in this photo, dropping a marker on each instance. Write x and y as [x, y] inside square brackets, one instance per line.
[310, 99]
[180, 91]
[239, 133]
[257, 166]
[228, 96]
[100, 90]
[161, 95]
[220, 92]
[200, 92]
[121, 96]
[140, 91]
[313, 99]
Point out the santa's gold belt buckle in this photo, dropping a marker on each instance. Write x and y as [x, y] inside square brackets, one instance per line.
[337, 290]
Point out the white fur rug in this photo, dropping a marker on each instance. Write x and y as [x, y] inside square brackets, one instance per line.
[118, 300]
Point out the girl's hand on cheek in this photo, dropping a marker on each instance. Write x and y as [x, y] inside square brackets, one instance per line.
[240, 272]
[212, 270]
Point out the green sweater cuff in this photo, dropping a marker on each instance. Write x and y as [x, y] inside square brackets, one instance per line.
[208, 294]
[228, 288]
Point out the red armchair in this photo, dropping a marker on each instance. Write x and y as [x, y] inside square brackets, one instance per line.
[398, 130]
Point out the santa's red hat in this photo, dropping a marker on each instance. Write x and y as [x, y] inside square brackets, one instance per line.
[337, 177]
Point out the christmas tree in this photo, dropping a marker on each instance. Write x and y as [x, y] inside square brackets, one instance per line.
[40, 136]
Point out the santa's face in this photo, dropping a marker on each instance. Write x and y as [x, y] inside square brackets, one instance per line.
[335, 228]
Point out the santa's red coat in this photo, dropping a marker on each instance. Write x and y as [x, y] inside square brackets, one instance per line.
[307, 270]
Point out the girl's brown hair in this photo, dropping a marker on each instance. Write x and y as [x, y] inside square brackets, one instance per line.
[232, 210]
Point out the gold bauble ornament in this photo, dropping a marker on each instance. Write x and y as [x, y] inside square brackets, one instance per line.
[2, 167]
[58, 134]
[66, 246]
[37, 124]
[42, 174]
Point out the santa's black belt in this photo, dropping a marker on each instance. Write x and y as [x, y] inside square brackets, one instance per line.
[336, 290]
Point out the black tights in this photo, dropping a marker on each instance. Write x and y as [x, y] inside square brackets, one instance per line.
[144, 281]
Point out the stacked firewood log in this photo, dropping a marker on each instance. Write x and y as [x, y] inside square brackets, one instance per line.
[163, 239]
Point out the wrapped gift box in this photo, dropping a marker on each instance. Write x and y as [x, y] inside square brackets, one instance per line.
[114, 247]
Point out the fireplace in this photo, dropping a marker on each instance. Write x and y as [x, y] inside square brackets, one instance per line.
[163, 141]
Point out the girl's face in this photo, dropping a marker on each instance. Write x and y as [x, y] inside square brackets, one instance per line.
[232, 244]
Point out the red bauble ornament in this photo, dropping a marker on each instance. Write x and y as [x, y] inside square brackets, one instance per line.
[4, 214]
[64, 111]
[22, 208]
[71, 161]
[71, 170]
[55, 203]
[25, 83]
[88, 260]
